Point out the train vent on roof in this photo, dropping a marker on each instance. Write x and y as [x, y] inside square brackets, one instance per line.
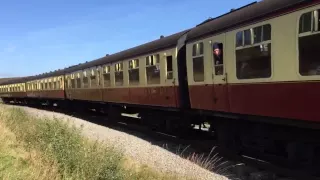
[231, 11]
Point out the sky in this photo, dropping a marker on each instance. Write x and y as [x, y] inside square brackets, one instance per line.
[39, 36]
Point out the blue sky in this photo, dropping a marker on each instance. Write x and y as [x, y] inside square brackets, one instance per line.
[39, 36]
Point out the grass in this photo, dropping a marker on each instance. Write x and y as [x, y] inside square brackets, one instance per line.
[18, 163]
[32, 148]
[212, 161]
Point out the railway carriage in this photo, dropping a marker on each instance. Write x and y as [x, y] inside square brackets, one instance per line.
[51, 87]
[265, 64]
[46, 88]
[140, 76]
[252, 74]
[13, 90]
[255, 70]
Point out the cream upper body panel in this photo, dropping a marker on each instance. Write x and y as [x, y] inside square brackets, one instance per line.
[284, 52]
[50, 83]
[120, 69]
[19, 87]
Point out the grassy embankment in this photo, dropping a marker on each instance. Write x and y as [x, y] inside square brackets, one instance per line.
[32, 148]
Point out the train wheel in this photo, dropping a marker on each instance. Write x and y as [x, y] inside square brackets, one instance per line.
[114, 114]
[227, 135]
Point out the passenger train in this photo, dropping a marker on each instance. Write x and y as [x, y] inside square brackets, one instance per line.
[252, 74]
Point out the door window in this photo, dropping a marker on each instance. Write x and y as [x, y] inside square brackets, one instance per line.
[217, 51]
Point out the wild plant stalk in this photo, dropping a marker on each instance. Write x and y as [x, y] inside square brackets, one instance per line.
[75, 156]
[211, 162]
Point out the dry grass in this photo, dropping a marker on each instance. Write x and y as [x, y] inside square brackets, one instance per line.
[212, 161]
[49, 149]
[18, 163]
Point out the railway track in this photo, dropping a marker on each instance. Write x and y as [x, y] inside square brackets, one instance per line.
[234, 166]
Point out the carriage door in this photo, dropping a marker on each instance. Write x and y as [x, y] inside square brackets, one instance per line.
[219, 75]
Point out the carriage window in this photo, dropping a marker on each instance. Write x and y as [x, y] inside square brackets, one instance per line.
[309, 43]
[119, 74]
[106, 76]
[305, 24]
[153, 69]
[247, 37]
[98, 77]
[169, 67]
[266, 35]
[198, 64]
[255, 61]
[239, 39]
[49, 85]
[257, 34]
[93, 79]
[134, 72]
[85, 80]
[217, 49]
[78, 82]
[73, 83]
[53, 85]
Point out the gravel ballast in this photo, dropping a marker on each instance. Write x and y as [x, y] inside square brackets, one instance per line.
[133, 147]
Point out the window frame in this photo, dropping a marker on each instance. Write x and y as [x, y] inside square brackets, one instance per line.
[198, 56]
[105, 71]
[309, 33]
[154, 63]
[134, 67]
[172, 71]
[263, 42]
[118, 69]
[213, 60]
[85, 75]
[93, 74]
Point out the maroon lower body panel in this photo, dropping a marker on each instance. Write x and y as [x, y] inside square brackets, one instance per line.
[84, 94]
[292, 100]
[14, 94]
[154, 96]
[209, 97]
[48, 94]
[296, 100]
